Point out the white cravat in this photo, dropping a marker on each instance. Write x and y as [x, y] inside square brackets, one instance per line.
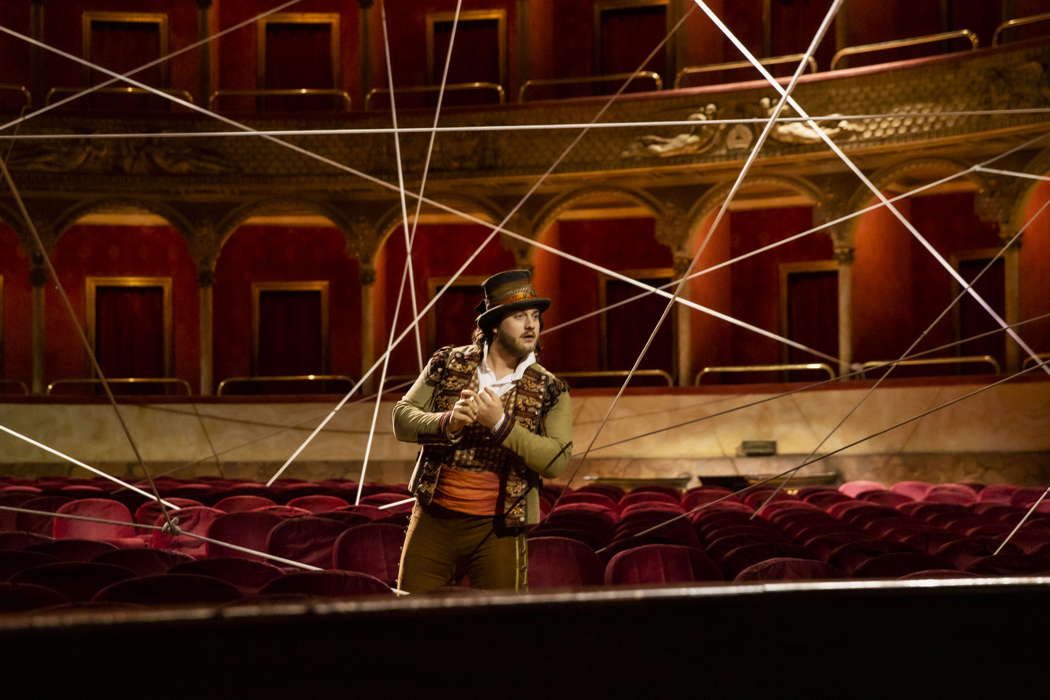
[487, 378]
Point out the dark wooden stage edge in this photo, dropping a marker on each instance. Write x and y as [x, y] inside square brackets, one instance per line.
[954, 637]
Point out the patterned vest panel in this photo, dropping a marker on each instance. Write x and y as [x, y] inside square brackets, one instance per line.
[453, 369]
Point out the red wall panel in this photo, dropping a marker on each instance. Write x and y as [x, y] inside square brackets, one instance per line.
[17, 309]
[285, 254]
[438, 251]
[14, 53]
[712, 338]
[124, 251]
[1035, 270]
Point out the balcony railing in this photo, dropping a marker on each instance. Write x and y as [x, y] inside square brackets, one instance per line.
[11, 87]
[140, 382]
[342, 95]
[904, 43]
[1030, 361]
[495, 88]
[126, 90]
[934, 361]
[13, 383]
[289, 381]
[657, 81]
[1019, 22]
[797, 367]
[685, 73]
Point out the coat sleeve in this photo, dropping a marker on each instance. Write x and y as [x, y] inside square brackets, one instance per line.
[414, 417]
[549, 454]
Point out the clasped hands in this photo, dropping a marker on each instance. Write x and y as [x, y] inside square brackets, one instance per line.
[483, 407]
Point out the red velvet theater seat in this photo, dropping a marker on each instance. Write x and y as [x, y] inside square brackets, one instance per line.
[14, 561]
[327, 584]
[73, 550]
[247, 575]
[248, 529]
[318, 503]
[20, 597]
[307, 540]
[788, 569]
[104, 509]
[76, 580]
[661, 563]
[373, 549]
[143, 560]
[242, 502]
[559, 561]
[193, 519]
[11, 540]
[169, 589]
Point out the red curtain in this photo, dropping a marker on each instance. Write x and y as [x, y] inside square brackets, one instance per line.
[974, 320]
[628, 327]
[129, 331]
[290, 333]
[813, 316]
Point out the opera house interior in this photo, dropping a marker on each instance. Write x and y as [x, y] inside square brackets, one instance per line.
[798, 258]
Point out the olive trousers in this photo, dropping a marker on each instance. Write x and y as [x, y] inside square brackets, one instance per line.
[441, 545]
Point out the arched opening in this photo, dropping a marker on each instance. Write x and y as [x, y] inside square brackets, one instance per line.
[442, 243]
[287, 303]
[790, 290]
[618, 232]
[899, 288]
[133, 285]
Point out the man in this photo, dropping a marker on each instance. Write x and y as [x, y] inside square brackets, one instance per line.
[492, 421]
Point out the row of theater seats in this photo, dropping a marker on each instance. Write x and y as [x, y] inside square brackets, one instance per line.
[860, 530]
[590, 536]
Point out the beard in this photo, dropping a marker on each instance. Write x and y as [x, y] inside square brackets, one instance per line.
[514, 347]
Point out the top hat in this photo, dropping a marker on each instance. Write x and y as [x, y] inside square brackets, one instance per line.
[505, 292]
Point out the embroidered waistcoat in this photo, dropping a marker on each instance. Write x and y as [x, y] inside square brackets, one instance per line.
[453, 369]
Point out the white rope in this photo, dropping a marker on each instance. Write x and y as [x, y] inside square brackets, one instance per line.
[469, 128]
[395, 504]
[77, 462]
[863, 178]
[146, 66]
[1014, 173]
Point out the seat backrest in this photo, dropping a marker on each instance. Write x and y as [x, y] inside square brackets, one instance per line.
[897, 564]
[242, 502]
[104, 508]
[11, 540]
[14, 561]
[997, 493]
[247, 575]
[560, 561]
[146, 514]
[327, 584]
[308, 540]
[788, 569]
[40, 524]
[915, 490]
[951, 493]
[648, 497]
[318, 503]
[661, 563]
[373, 549]
[73, 550]
[855, 488]
[144, 561]
[169, 589]
[77, 580]
[248, 529]
[19, 597]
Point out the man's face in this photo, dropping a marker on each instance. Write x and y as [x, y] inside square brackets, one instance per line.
[518, 332]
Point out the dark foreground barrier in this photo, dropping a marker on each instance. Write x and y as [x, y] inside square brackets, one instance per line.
[956, 637]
